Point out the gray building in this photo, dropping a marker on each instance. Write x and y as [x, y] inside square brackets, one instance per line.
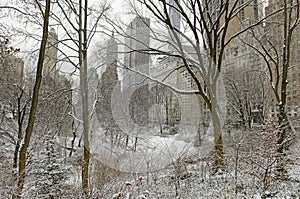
[246, 85]
[50, 61]
[175, 21]
[136, 57]
[111, 51]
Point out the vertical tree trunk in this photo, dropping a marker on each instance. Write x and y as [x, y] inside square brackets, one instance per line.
[282, 117]
[282, 104]
[216, 121]
[201, 124]
[20, 117]
[218, 141]
[84, 93]
[21, 114]
[34, 103]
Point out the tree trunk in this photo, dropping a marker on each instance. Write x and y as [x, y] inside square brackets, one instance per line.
[34, 103]
[85, 114]
[216, 121]
[282, 117]
[218, 141]
[201, 124]
[21, 115]
[84, 93]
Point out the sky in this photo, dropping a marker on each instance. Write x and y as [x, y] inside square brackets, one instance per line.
[11, 19]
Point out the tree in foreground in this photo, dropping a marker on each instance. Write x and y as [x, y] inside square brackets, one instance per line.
[80, 23]
[34, 102]
[277, 47]
[208, 29]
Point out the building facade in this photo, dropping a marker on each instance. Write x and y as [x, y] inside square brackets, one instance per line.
[137, 43]
[51, 59]
[137, 62]
[55, 102]
[275, 34]
[12, 96]
[175, 18]
[11, 67]
[245, 81]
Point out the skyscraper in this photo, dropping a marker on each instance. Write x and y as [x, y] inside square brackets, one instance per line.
[108, 83]
[111, 51]
[174, 14]
[137, 58]
[51, 55]
[175, 21]
[244, 69]
[275, 32]
[137, 42]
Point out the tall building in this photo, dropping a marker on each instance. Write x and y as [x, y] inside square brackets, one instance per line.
[11, 67]
[111, 51]
[137, 42]
[245, 82]
[108, 82]
[55, 92]
[173, 108]
[167, 109]
[175, 21]
[246, 85]
[249, 13]
[11, 84]
[50, 60]
[174, 14]
[275, 33]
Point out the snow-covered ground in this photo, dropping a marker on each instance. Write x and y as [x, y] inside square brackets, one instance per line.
[170, 166]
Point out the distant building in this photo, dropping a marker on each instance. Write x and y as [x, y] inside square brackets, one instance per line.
[11, 83]
[249, 13]
[275, 32]
[12, 69]
[50, 61]
[245, 81]
[175, 18]
[137, 58]
[55, 102]
[108, 82]
[111, 51]
[186, 109]
[174, 14]
[167, 108]
[246, 85]
[137, 42]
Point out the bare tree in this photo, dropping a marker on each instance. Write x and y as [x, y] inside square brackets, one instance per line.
[74, 18]
[276, 46]
[208, 28]
[33, 108]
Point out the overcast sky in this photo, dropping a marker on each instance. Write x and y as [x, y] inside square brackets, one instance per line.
[26, 44]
